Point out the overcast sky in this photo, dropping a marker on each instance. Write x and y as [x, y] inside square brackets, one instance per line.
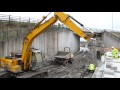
[100, 20]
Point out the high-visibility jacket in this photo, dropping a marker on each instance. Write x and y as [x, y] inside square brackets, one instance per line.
[91, 67]
[115, 53]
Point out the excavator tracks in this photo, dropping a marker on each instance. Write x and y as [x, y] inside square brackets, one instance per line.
[44, 72]
[4, 74]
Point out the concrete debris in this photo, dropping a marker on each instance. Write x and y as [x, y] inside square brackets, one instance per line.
[74, 70]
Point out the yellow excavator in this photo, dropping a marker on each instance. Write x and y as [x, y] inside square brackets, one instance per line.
[24, 63]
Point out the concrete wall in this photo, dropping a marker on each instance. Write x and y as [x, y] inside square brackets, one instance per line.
[110, 41]
[96, 47]
[12, 45]
[1, 49]
[55, 40]
[48, 42]
[97, 51]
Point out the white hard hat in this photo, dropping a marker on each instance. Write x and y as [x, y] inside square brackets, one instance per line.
[112, 47]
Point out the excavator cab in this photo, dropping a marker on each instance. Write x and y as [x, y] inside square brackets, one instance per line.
[36, 59]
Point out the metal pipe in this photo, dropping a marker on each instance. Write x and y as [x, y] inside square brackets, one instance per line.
[76, 21]
[80, 24]
[44, 17]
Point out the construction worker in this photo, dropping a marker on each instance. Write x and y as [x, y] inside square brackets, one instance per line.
[91, 68]
[114, 53]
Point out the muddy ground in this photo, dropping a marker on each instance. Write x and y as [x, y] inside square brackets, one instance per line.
[74, 70]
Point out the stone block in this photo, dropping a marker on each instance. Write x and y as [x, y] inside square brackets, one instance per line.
[108, 65]
[108, 76]
[113, 68]
[109, 72]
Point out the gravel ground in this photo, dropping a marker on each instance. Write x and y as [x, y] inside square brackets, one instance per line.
[74, 70]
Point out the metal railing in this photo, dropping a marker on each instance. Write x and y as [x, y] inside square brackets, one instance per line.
[15, 26]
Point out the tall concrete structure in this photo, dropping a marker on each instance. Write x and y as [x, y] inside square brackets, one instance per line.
[54, 40]
[111, 39]
[48, 42]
